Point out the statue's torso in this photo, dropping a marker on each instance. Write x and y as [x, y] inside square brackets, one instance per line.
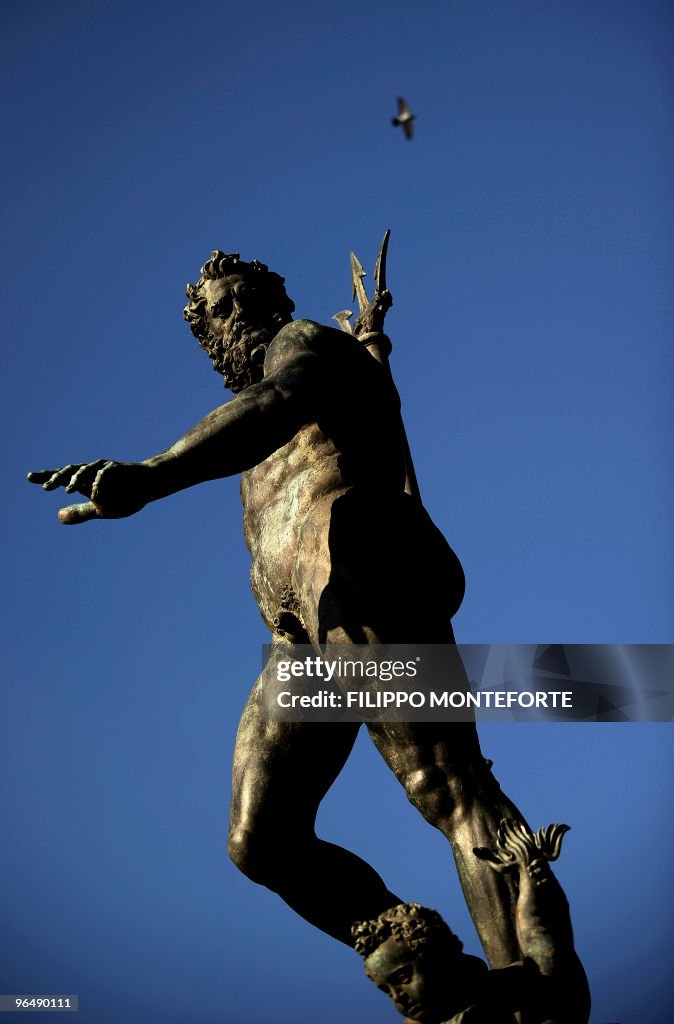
[289, 495]
[297, 484]
[335, 487]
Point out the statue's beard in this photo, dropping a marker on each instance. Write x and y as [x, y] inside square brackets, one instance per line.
[240, 360]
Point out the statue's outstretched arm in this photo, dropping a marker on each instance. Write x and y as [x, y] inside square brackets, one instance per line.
[232, 438]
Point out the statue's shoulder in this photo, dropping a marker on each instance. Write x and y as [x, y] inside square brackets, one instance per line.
[305, 336]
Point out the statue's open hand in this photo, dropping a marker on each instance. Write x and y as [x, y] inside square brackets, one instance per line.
[114, 489]
[518, 847]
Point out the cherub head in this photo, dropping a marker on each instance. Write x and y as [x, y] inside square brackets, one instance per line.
[414, 957]
[235, 309]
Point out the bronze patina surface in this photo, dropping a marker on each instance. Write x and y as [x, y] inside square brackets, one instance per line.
[412, 955]
[343, 551]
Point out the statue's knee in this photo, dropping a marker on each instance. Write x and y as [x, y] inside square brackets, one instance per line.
[238, 848]
[432, 791]
[443, 790]
[268, 856]
[250, 855]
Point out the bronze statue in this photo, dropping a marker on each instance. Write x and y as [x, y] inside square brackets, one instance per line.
[412, 955]
[343, 552]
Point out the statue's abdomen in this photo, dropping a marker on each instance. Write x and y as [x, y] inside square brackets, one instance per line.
[278, 496]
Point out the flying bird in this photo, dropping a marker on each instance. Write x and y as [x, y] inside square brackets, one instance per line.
[404, 118]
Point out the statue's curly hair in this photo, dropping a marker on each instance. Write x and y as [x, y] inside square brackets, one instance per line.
[223, 264]
[419, 928]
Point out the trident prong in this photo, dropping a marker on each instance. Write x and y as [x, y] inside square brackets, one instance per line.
[357, 275]
[343, 320]
[380, 265]
[370, 319]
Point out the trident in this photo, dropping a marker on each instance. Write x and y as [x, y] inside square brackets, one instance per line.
[368, 328]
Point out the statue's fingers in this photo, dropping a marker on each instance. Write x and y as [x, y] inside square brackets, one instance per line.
[40, 476]
[538, 869]
[492, 858]
[104, 466]
[84, 477]
[60, 477]
[74, 514]
[76, 479]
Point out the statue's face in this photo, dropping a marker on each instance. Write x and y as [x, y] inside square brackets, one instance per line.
[244, 315]
[417, 986]
[236, 305]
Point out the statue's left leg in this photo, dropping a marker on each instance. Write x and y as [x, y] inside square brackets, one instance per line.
[281, 772]
[447, 778]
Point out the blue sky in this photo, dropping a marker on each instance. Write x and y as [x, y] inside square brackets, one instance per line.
[530, 263]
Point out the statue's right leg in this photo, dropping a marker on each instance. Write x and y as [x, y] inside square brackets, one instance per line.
[445, 776]
[281, 772]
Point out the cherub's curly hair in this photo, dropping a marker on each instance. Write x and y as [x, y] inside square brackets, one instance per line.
[417, 927]
[222, 264]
